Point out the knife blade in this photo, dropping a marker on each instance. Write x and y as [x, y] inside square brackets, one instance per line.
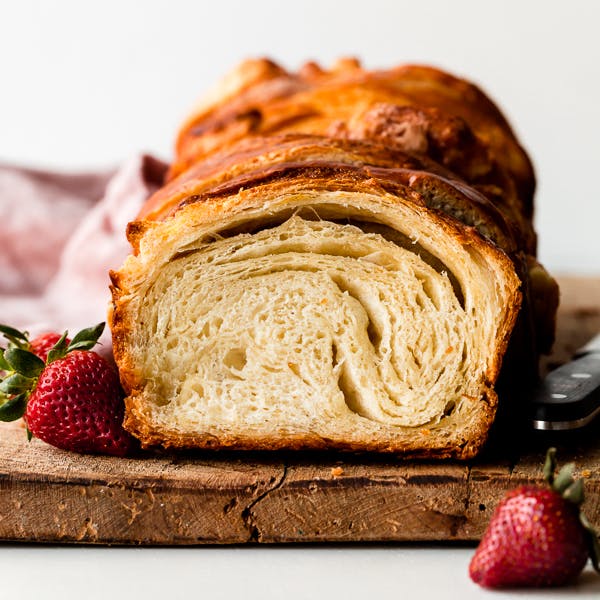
[569, 397]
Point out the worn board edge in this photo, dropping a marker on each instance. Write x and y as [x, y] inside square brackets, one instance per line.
[47, 495]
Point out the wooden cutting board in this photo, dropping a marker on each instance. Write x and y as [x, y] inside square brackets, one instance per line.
[196, 498]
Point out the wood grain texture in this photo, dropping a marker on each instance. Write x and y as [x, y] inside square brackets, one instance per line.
[48, 495]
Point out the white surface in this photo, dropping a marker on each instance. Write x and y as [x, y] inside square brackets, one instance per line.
[88, 84]
[286, 573]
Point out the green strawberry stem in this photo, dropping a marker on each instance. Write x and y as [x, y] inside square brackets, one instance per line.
[20, 368]
[550, 465]
[570, 489]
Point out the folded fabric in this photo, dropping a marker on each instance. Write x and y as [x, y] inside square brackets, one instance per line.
[61, 233]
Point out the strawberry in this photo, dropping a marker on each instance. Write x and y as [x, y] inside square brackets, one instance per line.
[77, 405]
[537, 536]
[43, 343]
[73, 400]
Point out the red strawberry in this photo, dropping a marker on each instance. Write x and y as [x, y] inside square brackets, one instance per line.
[42, 344]
[74, 401]
[537, 536]
[77, 405]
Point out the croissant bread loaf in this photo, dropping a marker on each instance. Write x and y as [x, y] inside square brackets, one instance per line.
[338, 259]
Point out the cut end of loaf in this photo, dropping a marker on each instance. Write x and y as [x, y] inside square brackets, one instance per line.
[334, 261]
[314, 319]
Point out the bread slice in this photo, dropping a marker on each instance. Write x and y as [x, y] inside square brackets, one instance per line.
[321, 308]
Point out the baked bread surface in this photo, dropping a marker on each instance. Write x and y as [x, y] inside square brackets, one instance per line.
[354, 288]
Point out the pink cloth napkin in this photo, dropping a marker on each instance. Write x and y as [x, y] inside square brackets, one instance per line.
[59, 236]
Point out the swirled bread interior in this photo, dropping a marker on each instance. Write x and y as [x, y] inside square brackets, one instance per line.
[327, 322]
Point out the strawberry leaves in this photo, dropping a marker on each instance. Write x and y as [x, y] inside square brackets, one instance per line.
[4, 366]
[14, 336]
[86, 339]
[22, 368]
[24, 362]
[13, 408]
[59, 350]
[15, 384]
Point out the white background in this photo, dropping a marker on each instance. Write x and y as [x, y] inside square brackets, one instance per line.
[373, 572]
[86, 85]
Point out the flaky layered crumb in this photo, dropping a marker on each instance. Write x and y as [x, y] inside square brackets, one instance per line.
[331, 318]
[305, 322]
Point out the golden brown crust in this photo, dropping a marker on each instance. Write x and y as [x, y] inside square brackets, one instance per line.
[468, 449]
[419, 109]
[334, 162]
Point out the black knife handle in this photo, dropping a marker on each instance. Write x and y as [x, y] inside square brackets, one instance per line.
[569, 397]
